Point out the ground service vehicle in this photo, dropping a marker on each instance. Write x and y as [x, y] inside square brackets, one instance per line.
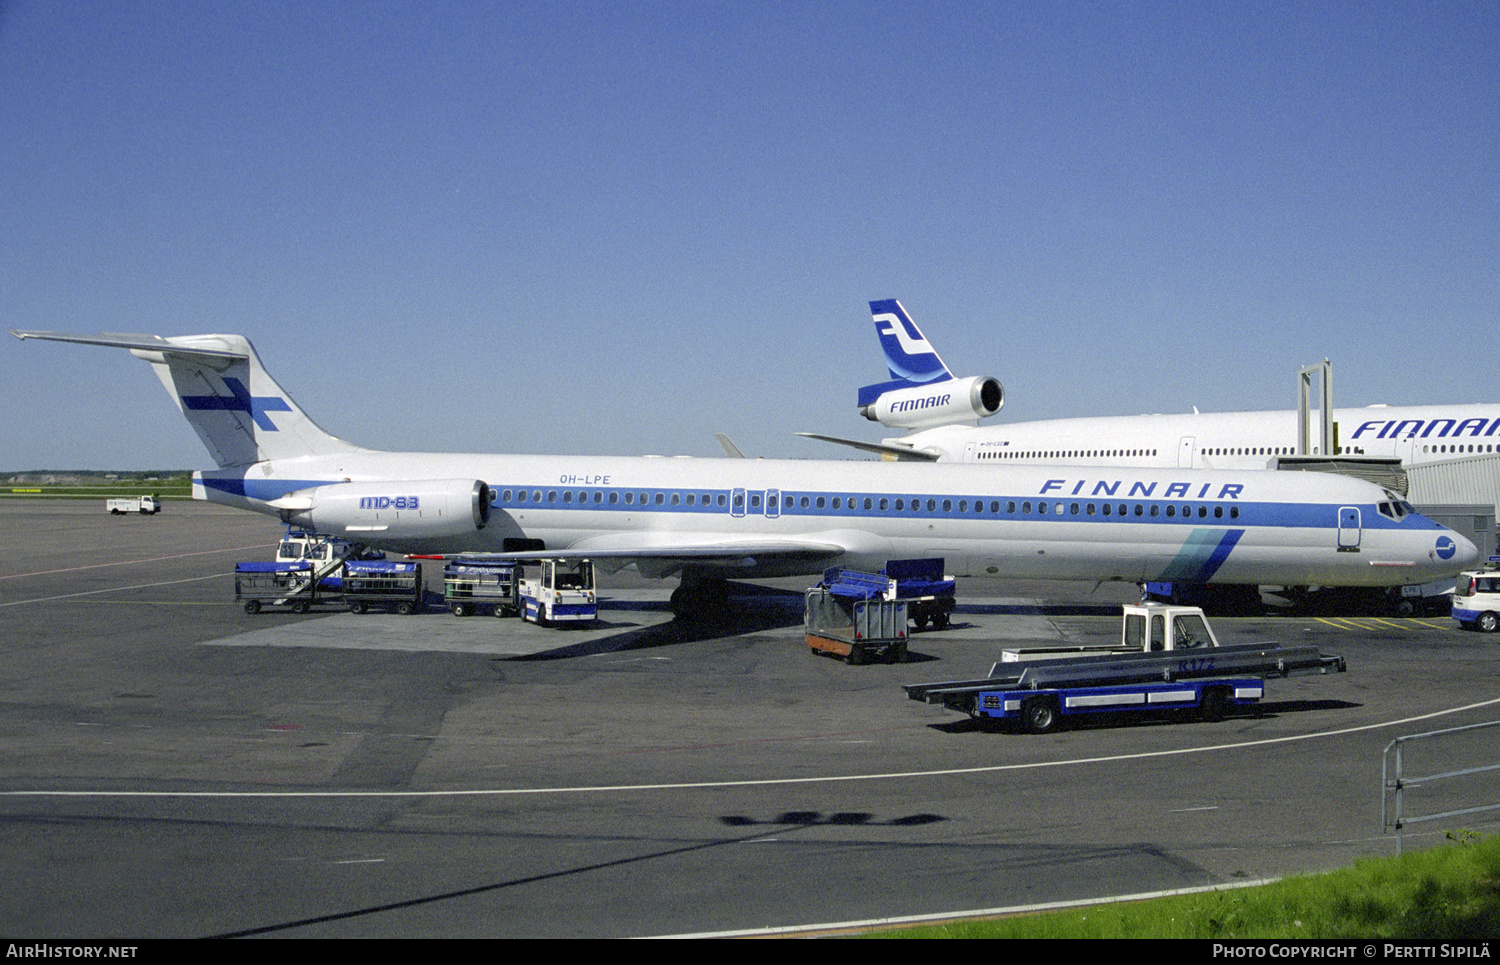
[145, 505]
[1166, 660]
[1476, 599]
[317, 548]
[556, 591]
[1148, 627]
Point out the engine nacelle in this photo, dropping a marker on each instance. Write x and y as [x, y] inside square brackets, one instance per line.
[950, 402]
[400, 509]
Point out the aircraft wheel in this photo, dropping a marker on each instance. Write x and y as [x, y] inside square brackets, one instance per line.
[1039, 715]
[252, 607]
[1215, 704]
[1487, 623]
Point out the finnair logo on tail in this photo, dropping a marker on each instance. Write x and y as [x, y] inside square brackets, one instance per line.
[242, 401]
[907, 351]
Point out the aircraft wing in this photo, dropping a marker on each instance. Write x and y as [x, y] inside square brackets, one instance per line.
[658, 555]
[901, 453]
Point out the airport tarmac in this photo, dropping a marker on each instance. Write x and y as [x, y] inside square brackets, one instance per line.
[174, 767]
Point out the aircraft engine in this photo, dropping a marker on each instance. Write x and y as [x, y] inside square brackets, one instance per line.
[401, 509]
[951, 402]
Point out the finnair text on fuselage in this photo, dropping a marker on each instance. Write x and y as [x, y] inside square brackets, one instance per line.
[1144, 490]
[1429, 428]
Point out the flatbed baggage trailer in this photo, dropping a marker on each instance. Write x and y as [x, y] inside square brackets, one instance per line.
[257, 584]
[468, 585]
[1169, 655]
[1039, 710]
[389, 584]
[855, 629]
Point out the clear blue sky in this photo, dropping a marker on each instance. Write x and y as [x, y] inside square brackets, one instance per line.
[621, 227]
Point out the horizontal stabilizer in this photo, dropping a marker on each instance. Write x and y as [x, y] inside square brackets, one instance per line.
[138, 343]
[218, 383]
[899, 453]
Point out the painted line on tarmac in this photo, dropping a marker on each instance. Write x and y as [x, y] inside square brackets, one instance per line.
[114, 589]
[1349, 624]
[153, 559]
[937, 918]
[764, 782]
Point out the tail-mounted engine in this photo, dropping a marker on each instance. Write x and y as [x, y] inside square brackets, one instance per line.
[950, 402]
[420, 509]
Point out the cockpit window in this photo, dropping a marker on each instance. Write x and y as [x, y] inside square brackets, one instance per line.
[1394, 507]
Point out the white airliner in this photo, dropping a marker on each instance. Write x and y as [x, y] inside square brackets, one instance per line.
[717, 518]
[942, 412]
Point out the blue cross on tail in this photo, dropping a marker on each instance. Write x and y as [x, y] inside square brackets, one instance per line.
[256, 406]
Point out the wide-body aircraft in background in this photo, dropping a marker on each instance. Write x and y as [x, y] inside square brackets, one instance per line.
[940, 413]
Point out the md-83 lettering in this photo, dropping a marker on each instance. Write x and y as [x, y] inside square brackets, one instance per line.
[390, 502]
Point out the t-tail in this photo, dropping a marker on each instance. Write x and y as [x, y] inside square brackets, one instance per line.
[923, 391]
[217, 381]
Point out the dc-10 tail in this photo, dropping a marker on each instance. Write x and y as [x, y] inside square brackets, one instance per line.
[923, 391]
[239, 412]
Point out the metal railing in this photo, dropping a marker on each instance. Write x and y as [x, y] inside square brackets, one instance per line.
[1395, 782]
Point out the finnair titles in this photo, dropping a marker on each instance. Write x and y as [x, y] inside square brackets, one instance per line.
[709, 519]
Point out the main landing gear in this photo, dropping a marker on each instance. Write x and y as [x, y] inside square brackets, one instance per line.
[699, 598]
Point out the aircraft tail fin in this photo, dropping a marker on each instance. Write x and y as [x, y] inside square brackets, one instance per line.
[239, 412]
[910, 357]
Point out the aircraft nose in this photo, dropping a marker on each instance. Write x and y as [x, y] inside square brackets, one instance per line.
[1453, 552]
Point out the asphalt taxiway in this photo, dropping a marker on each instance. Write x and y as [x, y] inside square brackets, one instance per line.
[172, 766]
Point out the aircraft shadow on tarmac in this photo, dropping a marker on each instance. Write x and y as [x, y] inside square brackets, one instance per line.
[1042, 609]
[787, 821]
[791, 819]
[749, 609]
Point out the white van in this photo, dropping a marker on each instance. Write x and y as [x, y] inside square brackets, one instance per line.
[1476, 600]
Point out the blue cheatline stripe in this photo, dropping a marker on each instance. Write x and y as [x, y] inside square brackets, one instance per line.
[753, 503]
[1201, 556]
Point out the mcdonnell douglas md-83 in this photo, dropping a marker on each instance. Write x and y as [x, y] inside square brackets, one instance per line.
[712, 519]
[941, 413]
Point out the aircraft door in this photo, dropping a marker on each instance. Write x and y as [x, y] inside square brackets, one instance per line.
[1185, 449]
[736, 502]
[1349, 529]
[773, 503]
